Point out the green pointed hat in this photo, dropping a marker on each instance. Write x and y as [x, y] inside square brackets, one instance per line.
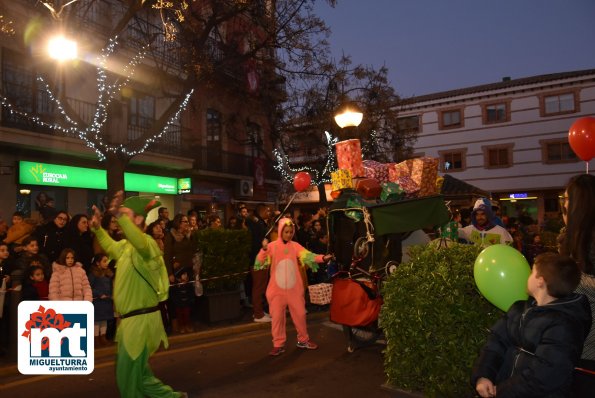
[141, 205]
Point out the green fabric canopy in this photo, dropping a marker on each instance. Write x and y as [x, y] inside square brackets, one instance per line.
[403, 216]
[409, 215]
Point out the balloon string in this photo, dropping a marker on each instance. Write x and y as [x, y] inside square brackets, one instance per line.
[280, 215]
[587, 165]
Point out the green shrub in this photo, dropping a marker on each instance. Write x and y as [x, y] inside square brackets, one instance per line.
[225, 256]
[435, 321]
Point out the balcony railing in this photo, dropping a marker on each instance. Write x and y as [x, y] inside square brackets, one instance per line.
[171, 143]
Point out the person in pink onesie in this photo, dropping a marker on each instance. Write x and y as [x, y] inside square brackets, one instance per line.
[285, 288]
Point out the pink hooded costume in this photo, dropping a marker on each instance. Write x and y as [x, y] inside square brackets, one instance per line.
[285, 288]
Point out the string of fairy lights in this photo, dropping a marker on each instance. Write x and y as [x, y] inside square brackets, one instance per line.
[284, 168]
[92, 135]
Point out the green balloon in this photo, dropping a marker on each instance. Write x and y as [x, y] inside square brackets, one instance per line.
[501, 274]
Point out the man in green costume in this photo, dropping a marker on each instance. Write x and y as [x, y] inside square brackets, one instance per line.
[141, 283]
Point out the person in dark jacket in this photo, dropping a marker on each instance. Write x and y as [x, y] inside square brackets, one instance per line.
[533, 349]
[258, 227]
[50, 236]
[78, 237]
[101, 281]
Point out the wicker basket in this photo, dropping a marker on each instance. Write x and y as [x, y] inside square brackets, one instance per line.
[320, 293]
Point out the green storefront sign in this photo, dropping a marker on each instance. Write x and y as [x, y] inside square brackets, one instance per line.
[35, 173]
[147, 183]
[47, 174]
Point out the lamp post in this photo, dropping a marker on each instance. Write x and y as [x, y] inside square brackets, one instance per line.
[348, 116]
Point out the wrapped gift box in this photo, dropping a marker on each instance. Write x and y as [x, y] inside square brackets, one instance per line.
[439, 184]
[409, 186]
[391, 192]
[341, 179]
[349, 157]
[376, 170]
[320, 293]
[396, 170]
[424, 172]
[369, 188]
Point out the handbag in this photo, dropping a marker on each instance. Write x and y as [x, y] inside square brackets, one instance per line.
[354, 302]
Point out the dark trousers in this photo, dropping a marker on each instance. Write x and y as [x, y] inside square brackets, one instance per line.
[260, 280]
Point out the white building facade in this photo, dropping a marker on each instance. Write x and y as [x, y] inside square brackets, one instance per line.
[509, 138]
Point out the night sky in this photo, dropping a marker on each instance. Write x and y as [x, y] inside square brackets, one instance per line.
[438, 45]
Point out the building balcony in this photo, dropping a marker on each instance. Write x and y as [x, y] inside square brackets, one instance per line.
[206, 160]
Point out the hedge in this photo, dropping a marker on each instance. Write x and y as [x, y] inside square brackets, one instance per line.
[435, 321]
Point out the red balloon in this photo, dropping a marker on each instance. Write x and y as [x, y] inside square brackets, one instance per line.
[301, 181]
[581, 138]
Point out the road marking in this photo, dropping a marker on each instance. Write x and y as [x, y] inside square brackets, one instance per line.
[160, 353]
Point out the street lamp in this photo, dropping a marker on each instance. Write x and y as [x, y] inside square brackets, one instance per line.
[348, 115]
[62, 49]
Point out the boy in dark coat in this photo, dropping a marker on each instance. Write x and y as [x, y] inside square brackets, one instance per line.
[533, 348]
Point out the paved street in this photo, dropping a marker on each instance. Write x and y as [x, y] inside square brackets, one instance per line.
[235, 365]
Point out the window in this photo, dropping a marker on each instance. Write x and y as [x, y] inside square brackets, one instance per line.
[557, 151]
[141, 111]
[451, 119]
[408, 124]
[21, 88]
[254, 134]
[497, 156]
[559, 103]
[214, 126]
[495, 113]
[452, 160]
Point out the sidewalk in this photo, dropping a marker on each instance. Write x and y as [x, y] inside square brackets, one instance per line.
[203, 331]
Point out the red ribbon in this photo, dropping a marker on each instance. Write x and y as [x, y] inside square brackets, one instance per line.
[43, 319]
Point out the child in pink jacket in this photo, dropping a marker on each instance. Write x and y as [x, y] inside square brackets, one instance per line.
[285, 288]
[69, 280]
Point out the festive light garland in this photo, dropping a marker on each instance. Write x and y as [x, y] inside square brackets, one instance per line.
[106, 93]
[317, 177]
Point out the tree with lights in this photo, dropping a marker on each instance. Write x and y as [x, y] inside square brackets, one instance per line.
[308, 119]
[190, 29]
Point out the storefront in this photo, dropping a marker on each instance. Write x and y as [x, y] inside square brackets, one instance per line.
[530, 207]
[46, 187]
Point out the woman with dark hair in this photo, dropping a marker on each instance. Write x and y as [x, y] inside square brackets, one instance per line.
[50, 236]
[155, 230]
[578, 242]
[78, 237]
[179, 248]
[179, 244]
[110, 224]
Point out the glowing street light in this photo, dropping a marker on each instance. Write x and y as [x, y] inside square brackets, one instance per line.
[348, 115]
[62, 49]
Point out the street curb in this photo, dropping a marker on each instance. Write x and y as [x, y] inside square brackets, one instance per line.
[103, 352]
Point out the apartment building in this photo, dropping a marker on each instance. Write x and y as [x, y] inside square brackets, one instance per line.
[508, 138]
[209, 157]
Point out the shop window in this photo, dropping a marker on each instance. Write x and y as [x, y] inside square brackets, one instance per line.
[497, 156]
[496, 113]
[451, 119]
[452, 160]
[557, 151]
[561, 103]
